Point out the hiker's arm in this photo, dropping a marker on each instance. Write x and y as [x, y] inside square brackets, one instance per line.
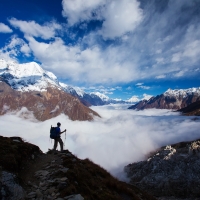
[63, 131]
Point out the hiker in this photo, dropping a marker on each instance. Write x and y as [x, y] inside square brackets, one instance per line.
[58, 138]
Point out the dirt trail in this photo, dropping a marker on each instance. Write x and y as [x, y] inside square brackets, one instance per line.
[41, 162]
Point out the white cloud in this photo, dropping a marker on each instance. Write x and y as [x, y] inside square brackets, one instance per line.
[25, 49]
[160, 60]
[31, 28]
[129, 88]
[119, 16]
[144, 87]
[180, 73]
[192, 49]
[134, 98]
[79, 10]
[91, 65]
[15, 47]
[5, 29]
[176, 57]
[160, 76]
[118, 138]
[139, 84]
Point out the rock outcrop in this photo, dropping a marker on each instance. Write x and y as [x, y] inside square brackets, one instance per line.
[27, 173]
[43, 105]
[171, 171]
[14, 154]
[171, 99]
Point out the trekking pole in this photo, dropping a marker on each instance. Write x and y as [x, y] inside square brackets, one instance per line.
[65, 138]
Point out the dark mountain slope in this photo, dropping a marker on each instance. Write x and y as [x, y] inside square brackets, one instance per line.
[57, 176]
[192, 109]
[45, 104]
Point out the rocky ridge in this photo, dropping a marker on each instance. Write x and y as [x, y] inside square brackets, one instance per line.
[27, 173]
[171, 99]
[43, 105]
[172, 172]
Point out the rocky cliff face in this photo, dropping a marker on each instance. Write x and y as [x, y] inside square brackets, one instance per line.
[171, 99]
[192, 109]
[44, 104]
[27, 173]
[171, 171]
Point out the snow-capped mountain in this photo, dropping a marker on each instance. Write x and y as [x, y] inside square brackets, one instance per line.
[26, 77]
[31, 77]
[182, 92]
[171, 99]
[103, 97]
[31, 91]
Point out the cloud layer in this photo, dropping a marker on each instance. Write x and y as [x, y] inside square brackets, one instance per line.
[120, 137]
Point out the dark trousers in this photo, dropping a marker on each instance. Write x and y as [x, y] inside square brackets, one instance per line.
[56, 143]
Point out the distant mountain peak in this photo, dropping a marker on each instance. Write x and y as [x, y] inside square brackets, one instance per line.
[101, 96]
[27, 76]
[171, 99]
[182, 92]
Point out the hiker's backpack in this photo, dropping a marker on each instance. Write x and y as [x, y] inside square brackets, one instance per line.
[54, 133]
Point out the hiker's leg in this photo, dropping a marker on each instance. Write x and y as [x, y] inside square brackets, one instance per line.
[61, 143]
[55, 144]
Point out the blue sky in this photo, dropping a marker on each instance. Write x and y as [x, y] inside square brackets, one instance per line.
[122, 48]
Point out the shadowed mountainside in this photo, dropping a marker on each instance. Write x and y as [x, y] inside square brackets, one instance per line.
[35, 175]
[45, 104]
[192, 109]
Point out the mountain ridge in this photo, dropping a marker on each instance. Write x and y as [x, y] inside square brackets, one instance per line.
[171, 99]
[31, 77]
[43, 105]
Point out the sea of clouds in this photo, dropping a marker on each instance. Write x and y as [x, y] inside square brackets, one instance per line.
[116, 139]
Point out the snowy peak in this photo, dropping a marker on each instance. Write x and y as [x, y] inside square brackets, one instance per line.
[76, 91]
[182, 92]
[103, 97]
[79, 91]
[25, 70]
[27, 76]
[171, 99]
[21, 70]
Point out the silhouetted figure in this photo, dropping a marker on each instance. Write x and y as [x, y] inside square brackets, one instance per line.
[58, 138]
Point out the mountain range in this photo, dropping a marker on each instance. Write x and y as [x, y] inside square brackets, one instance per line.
[30, 90]
[171, 99]
[31, 77]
